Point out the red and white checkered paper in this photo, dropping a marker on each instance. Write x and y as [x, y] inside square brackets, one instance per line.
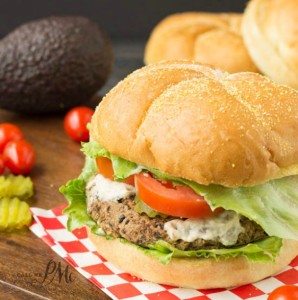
[78, 250]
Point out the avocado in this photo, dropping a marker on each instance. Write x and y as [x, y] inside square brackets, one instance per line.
[53, 64]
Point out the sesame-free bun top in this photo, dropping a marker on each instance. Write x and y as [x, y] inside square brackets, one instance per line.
[270, 32]
[199, 123]
[212, 38]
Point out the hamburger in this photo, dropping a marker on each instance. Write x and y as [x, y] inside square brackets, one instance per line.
[191, 176]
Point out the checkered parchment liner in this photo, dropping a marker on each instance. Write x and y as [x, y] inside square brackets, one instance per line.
[77, 250]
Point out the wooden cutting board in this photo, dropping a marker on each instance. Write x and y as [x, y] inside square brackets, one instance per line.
[23, 256]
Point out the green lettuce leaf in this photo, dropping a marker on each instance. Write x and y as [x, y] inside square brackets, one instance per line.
[93, 150]
[122, 167]
[89, 169]
[273, 205]
[262, 251]
[74, 192]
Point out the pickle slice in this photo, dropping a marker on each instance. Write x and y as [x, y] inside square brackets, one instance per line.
[14, 214]
[16, 186]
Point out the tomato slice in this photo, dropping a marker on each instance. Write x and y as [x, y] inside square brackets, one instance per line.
[105, 168]
[178, 201]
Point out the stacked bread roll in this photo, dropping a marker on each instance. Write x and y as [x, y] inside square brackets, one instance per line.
[264, 39]
[213, 39]
[270, 32]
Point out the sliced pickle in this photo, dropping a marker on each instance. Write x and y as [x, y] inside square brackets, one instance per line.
[14, 214]
[16, 186]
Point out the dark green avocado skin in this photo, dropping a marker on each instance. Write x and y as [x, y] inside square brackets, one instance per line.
[53, 64]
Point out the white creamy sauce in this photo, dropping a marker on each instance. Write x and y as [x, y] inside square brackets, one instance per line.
[103, 189]
[224, 228]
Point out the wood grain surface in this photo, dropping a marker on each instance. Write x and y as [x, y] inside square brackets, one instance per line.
[23, 256]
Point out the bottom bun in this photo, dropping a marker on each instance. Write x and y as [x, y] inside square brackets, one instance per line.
[198, 273]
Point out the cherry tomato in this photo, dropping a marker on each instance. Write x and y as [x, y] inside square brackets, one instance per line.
[9, 132]
[2, 167]
[285, 292]
[179, 201]
[75, 123]
[105, 168]
[19, 157]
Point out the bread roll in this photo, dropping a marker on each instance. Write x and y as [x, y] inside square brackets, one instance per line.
[227, 129]
[209, 38]
[201, 273]
[270, 32]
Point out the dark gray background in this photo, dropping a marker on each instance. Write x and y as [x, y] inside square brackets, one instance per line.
[132, 19]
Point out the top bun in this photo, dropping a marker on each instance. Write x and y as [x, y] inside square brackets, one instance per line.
[199, 123]
[209, 38]
[270, 32]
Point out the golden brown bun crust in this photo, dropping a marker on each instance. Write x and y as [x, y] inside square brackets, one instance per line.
[201, 124]
[209, 38]
[201, 273]
[270, 32]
